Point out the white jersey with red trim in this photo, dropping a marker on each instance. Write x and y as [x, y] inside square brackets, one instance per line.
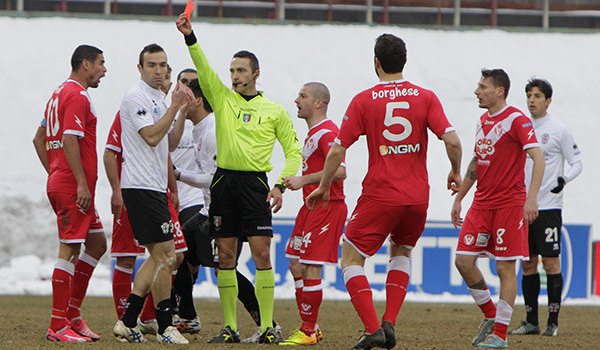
[557, 144]
[501, 141]
[144, 166]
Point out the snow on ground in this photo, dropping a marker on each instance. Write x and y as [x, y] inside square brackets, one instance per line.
[446, 61]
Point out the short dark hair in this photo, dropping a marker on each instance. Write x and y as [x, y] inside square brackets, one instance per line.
[150, 48]
[249, 55]
[195, 87]
[498, 77]
[187, 70]
[84, 52]
[390, 50]
[541, 84]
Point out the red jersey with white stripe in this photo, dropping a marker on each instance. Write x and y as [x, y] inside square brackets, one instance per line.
[70, 112]
[319, 140]
[114, 140]
[395, 117]
[500, 145]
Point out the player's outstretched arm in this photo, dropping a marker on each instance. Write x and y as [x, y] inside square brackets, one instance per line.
[530, 210]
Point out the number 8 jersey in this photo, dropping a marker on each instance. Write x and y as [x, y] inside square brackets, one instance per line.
[69, 112]
[395, 117]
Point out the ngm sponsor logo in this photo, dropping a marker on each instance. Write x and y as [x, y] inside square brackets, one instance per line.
[385, 150]
[53, 144]
[484, 147]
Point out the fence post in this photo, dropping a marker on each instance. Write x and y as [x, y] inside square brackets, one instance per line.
[457, 13]
[546, 14]
[369, 17]
[494, 15]
[281, 12]
[106, 7]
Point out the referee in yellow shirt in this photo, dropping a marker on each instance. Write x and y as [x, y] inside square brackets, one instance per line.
[247, 125]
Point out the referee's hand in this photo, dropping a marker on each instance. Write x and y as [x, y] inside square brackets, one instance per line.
[275, 199]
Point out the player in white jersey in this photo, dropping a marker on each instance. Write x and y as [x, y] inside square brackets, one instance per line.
[557, 144]
[145, 121]
[191, 201]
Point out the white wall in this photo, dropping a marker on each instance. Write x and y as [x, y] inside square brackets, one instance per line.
[37, 52]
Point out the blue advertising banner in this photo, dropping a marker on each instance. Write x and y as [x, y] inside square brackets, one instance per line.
[432, 263]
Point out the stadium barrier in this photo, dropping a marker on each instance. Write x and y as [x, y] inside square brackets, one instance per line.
[432, 263]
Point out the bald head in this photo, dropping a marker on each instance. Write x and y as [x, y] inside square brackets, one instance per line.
[319, 92]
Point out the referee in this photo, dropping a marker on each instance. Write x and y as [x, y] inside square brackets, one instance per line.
[247, 125]
[558, 145]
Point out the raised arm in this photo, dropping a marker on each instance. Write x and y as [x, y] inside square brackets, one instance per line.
[153, 134]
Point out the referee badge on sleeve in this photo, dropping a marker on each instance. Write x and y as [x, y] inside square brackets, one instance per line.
[217, 220]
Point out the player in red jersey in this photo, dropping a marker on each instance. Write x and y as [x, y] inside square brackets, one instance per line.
[68, 153]
[496, 224]
[124, 246]
[394, 115]
[316, 237]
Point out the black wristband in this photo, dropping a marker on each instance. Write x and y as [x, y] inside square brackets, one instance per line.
[280, 187]
[190, 39]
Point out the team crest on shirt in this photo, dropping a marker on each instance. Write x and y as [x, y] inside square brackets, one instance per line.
[484, 147]
[246, 117]
[217, 221]
[498, 129]
[469, 239]
[482, 239]
[545, 138]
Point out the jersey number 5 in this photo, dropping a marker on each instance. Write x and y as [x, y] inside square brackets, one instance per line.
[53, 125]
[391, 120]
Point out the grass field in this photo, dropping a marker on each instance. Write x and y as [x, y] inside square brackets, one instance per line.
[24, 321]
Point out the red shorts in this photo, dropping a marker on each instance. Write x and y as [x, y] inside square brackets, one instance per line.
[499, 233]
[372, 222]
[180, 245]
[123, 241]
[73, 224]
[316, 236]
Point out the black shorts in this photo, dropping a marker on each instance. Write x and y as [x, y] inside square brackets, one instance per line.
[545, 233]
[189, 212]
[149, 216]
[201, 247]
[239, 206]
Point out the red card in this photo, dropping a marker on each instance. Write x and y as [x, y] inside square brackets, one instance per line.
[189, 8]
